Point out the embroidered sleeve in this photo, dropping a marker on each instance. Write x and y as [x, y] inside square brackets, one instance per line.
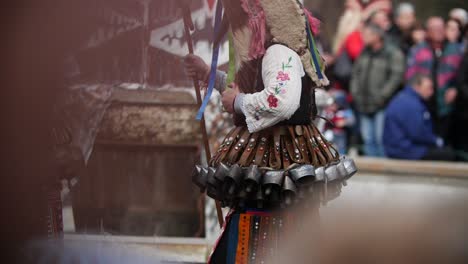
[282, 74]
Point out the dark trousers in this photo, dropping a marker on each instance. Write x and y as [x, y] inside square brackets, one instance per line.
[443, 128]
[460, 133]
[440, 154]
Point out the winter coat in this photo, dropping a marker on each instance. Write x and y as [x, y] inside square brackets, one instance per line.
[443, 70]
[462, 86]
[408, 132]
[376, 77]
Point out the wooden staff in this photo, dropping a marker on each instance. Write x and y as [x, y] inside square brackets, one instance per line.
[188, 23]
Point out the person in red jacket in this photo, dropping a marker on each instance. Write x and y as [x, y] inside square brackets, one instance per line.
[348, 43]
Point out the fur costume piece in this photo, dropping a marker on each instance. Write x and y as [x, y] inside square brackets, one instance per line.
[286, 22]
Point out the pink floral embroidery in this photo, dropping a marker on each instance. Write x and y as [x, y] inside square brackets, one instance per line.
[282, 76]
[272, 101]
[282, 79]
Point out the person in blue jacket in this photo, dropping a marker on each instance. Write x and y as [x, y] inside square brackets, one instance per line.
[408, 131]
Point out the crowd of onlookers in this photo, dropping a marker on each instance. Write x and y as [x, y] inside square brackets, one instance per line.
[400, 85]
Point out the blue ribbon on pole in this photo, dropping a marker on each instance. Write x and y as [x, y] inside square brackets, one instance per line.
[214, 61]
[312, 48]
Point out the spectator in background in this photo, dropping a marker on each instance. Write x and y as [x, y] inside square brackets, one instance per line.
[461, 107]
[381, 19]
[454, 31]
[376, 76]
[418, 35]
[348, 23]
[460, 14]
[348, 43]
[356, 11]
[408, 132]
[440, 60]
[404, 23]
[342, 117]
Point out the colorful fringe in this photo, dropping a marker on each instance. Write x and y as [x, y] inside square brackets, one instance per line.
[54, 214]
[250, 237]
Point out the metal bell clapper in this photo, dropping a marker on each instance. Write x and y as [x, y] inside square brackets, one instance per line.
[252, 179]
[199, 177]
[289, 191]
[242, 197]
[272, 181]
[259, 197]
[303, 175]
[321, 180]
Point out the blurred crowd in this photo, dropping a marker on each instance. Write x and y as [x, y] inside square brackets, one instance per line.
[399, 85]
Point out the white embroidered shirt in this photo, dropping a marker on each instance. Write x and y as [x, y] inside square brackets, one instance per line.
[282, 73]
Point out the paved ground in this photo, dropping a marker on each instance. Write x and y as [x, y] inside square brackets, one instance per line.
[365, 189]
[416, 189]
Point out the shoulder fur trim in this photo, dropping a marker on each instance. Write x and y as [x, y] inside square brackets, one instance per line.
[286, 21]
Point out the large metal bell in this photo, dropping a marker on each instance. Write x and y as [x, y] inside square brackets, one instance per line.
[320, 174]
[303, 175]
[252, 179]
[213, 185]
[331, 172]
[221, 172]
[350, 167]
[235, 174]
[272, 184]
[343, 173]
[289, 191]
[199, 177]
[232, 180]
